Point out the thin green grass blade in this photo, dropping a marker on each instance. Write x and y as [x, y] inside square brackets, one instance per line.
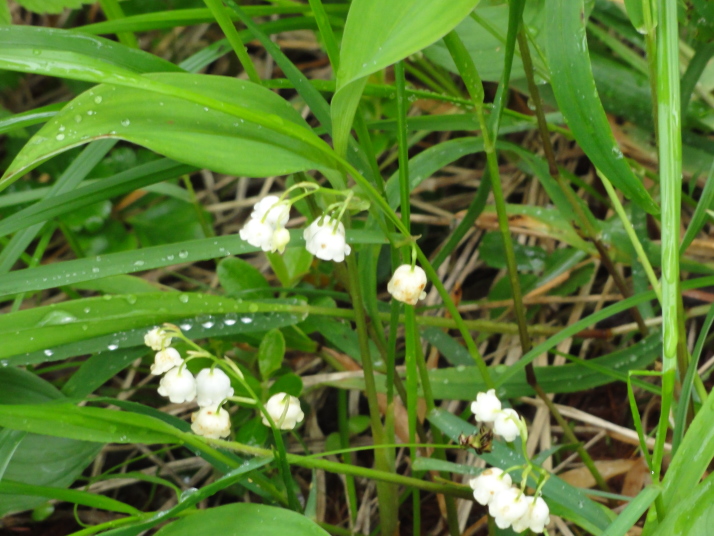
[700, 213]
[633, 511]
[92, 500]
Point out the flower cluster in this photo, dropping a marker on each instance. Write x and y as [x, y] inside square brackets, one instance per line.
[210, 387]
[487, 409]
[266, 227]
[324, 237]
[508, 505]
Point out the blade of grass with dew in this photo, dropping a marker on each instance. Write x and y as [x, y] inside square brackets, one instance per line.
[200, 135]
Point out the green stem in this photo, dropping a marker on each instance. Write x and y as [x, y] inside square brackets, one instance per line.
[328, 36]
[344, 469]
[113, 11]
[223, 18]
[627, 224]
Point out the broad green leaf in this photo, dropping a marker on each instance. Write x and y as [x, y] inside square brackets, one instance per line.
[528, 258]
[239, 277]
[563, 499]
[693, 457]
[251, 519]
[55, 52]
[190, 499]
[379, 33]
[126, 262]
[44, 328]
[632, 513]
[51, 6]
[87, 423]
[33, 459]
[486, 49]
[693, 514]
[574, 88]
[200, 135]
[462, 381]
[271, 353]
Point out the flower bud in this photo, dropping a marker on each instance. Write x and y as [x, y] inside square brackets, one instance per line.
[487, 406]
[407, 284]
[325, 240]
[506, 424]
[211, 422]
[280, 239]
[179, 385]
[212, 386]
[165, 360]
[157, 339]
[284, 410]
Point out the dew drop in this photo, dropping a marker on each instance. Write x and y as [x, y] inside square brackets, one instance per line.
[208, 324]
[183, 254]
[125, 123]
[183, 298]
[48, 352]
[113, 346]
[60, 137]
[139, 263]
[246, 320]
[98, 99]
[95, 270]
[186, 327]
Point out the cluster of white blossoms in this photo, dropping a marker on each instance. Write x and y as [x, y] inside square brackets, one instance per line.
[509, 505]
[210, 387]
[266, 227]
[324, 237]
[487, 409]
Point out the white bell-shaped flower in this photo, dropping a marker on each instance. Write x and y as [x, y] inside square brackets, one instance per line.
[165, 360]
[507, 506]
[157, 339]
[407, 284]
[325, 238]
[488, 483]
[506, 424]
[179, 385]
[269, 210]
[486, 407]
[284, 410]
[536, 517]
[280, 239]
[258, 234]
[211, 422]
[212, 387]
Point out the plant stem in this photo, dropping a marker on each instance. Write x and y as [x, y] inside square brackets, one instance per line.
[670, 161]
[113, 11]
[223, 18]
